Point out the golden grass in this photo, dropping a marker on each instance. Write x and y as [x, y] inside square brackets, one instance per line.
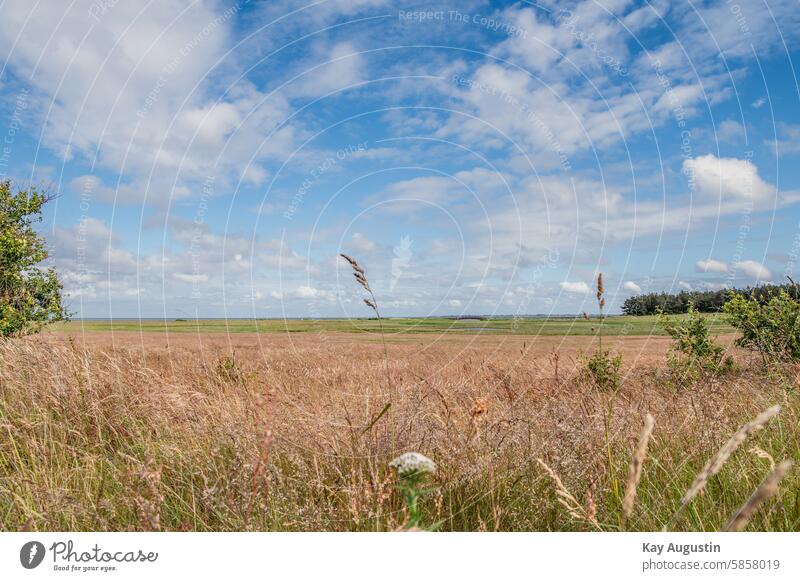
[635, 467]
[286, 438]
[716, 462]
[766, 490]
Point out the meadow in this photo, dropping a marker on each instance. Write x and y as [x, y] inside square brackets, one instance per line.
[241, 425]
[501, 325]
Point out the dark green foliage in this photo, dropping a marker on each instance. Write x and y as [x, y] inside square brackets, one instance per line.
[694, 352]
[604, 369]
[704, 301]
[29, 295]
[772, 328]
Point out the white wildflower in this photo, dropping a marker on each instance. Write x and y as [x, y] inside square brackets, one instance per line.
[413, 464]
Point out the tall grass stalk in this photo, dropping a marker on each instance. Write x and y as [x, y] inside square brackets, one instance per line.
[361, 277]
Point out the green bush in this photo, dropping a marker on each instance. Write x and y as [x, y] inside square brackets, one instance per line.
[604, 369]
[694, 352]
[771, 328]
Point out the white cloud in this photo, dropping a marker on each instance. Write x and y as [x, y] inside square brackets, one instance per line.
[684, 285]
[210, 124]
[190, 278]
[728, 179]
[715, 286]
[92, 187]
[333, 68]
[632, 287]
[278, 254]
[361, 244]
[754, 269]
[310, 292]
[575, 287]
[788, 141]
[730, 131]
[711, 265]
[133, 89]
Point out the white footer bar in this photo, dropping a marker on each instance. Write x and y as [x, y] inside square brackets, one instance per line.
[389, 556]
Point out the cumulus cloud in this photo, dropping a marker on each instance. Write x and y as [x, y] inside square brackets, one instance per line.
[754, 269]
[632, 287]
[711, 265]
[134, 88]
[91, 187]
[333, 68]
[788, 141]
[360, 243]
[727, 178]
[310, 292]
[578, 288]
[730, 131]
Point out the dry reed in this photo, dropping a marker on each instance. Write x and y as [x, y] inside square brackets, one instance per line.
[635, 467]
[716, 462]
[767, 489]
[575, 509]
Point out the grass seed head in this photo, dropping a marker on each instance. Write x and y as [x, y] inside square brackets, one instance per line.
[716, 462]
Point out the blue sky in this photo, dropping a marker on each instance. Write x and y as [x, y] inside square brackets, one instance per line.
[213, 158]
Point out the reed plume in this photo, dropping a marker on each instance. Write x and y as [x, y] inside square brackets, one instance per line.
[600, 291]
[635, 467]
[568, 500]
[601, 303]
[763, 454]
[716, 462]
[766, 490]
[361, 277]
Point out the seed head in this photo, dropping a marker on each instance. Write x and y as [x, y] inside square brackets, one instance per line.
[479, 407]
[413, 464]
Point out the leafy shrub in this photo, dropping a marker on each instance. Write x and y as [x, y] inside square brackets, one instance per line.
[771, 328]
[694, 351]
[229, 370]
[30, 296]
[604, 369]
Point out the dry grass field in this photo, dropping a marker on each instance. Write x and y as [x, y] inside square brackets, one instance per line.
[216, 431]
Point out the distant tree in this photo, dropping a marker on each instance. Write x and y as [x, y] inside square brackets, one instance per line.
[30, 296]
[704, 301]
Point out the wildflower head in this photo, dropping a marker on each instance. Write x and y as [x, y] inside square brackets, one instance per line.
[413, 464]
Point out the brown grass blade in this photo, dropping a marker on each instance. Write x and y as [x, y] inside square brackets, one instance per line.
[567, 499]
[635, 467]
[716, 462]
[766, 490]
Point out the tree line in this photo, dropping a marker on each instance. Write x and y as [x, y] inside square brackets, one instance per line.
[704, 301]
